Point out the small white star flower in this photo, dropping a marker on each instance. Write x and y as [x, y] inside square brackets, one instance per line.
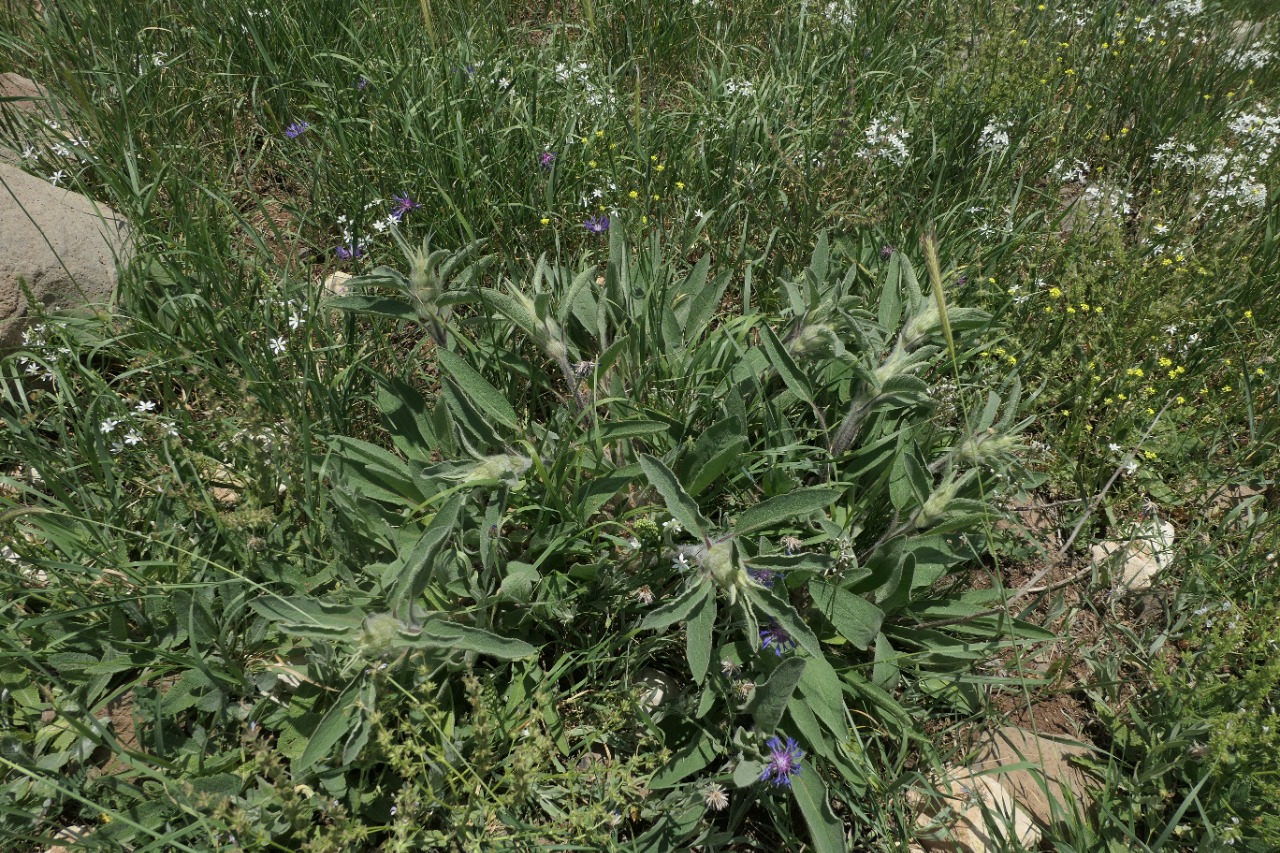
[1113, 447]
[109, 425]
[132, 437]
[56, 177]
[278, 345]
[145, 406]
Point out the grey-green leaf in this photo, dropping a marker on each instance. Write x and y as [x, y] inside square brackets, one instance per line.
[699, 636]
[857, 619]
[682, 507]
[477, 388]
[770, 699]
[332, 727]
[783, 507]
[825, 831]
[673, 611]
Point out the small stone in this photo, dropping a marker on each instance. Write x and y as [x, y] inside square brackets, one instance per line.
[62, 247]
[336, 284]
[656, 688]
[1039, 775]
[1137, 560]
[975, 814]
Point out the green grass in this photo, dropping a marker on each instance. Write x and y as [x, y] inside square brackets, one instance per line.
[391, 571]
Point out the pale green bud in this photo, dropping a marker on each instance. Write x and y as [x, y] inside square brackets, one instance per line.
[816, 342]
[936, 506]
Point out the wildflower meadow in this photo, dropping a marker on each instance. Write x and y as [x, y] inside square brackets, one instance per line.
[648, 426]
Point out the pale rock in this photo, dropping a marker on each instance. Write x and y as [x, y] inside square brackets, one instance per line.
[656, 687]
[973, 814]
[1037, 773]
[1137, 560]
[336, 284]
[65, 247]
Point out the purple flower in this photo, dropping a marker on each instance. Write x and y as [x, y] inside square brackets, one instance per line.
[362, 83]
[349, 251]
[776, 636]
[296, 129]
[784, 762]
[886, 252]
[404, 204]
[764, 577]
[597, 224]
[547, 159]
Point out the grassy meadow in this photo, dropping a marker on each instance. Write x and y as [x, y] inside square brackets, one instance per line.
[708, 442]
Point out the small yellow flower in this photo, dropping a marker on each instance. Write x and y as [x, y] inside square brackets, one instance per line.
[1048, 309]
[653, 158]
[1088, 427]
[1150, 454]
[1011, 360]
[1070, 310]
[1260, 372]
[1165, 361]
[991, 280]
[591, 163]
[1150, 411]
[1055, 292]
[1084, 306]
[613, 146]
[644, 220]
[546, 220]
[1066, 413]
[1069, 72]
[1107, 402]
[1180, 369]
[1000, 350]
[1181, 401]
[599, 134]
[657, 197]
[1248, 315]
[634, 194]
[584, 140]
[984, 354]
[1226, 389]
[1097, 309]
[659, 167]
[1122, 397]
[679, 185]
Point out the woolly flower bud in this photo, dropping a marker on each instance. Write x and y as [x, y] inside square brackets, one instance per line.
[936, 506]
[921, 325]
[379, 633]
[506, 467]
[984, 446]
[816, 342]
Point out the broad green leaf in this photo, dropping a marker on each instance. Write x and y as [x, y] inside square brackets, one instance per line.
[775, 510]
[703, 305]
[417, 566]
[748, 772]
[683, 294]
[821, 688]
[673, 611]
[380, 306]
[713, 452]
[518, 583]
[439, 632]
[857, 619]
[686, 761]
[781, 360]
[682, 507]
[487, 398]
[310, 612]
[826, 833]
[471, 421]
[615, 430]
[408, 418]
[698, 638]
[770, 698]
[332, 727]
[671, 831]
[782, 613]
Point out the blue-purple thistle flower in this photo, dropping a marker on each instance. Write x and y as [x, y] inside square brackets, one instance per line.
[404, 204]
[764, 577]
[296, 129]
[349, 251]
[547, 159]
[597, 224]
[784, 762]
[777, 638]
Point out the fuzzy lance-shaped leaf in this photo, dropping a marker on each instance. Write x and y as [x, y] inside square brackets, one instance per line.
[770, 699]
[616, 430]
[302, 612]
[714, 451]
[782, 612]
[408, 418]
[332, 727]
[379, 306]
[686, 761]
[857, 619]
[682, 295]
[673, 611]
[698, 638]
[776, 510]
[821, 687]
[682, 507]
[748, 772]
[702, 306]
[671, 830]
[438, 632]
[826, 833]
[416, 570]
[487, 398]
[781, 360]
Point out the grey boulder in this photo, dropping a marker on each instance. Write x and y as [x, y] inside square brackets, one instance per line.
[62, 248]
